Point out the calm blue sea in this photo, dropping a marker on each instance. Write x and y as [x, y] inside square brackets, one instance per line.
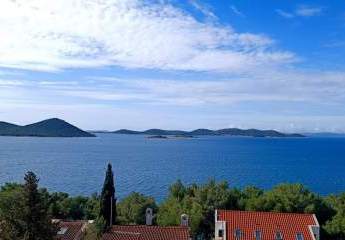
[149, 166]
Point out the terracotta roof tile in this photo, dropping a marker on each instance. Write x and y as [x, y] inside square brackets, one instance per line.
[142, 232]
[71, 230]
[268, 223]
[121, 236]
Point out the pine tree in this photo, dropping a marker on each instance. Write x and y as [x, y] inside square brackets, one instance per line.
[108, 200]
[38, 225]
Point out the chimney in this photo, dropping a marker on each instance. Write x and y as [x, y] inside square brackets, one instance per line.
[149, 216]
[184, 220]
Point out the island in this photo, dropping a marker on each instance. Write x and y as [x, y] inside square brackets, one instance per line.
[48, 128]
[183, 136]
[157, 137]
[208, 132]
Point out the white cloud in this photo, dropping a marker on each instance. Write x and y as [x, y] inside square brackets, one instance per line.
[142, 119]
[268, 99]
[265, 86]
[53, 35]
[235, 10]
[308, 11]
[301, 11]
[5, 82]
[206, 10]
[284, 13]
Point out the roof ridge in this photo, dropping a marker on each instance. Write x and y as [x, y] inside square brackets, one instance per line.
[149, 226]
[70, 220]
[265, 212]
[123, 232]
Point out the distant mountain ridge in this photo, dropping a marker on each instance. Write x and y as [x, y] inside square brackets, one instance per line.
[325, 134]
[208, 132]
[48, 128]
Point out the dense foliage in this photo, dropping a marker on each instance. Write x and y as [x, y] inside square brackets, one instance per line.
[131, 210]
[198, 201]
[24, 212]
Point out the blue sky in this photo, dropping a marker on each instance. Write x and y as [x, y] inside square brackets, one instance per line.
[172, 64]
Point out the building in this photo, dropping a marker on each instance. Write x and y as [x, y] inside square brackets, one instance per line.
[149, 232]
[70, 230]
[246, 225]
[74, 230]
[144, 232]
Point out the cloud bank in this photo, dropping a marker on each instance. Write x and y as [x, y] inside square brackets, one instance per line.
[223, 76]
[55, 35]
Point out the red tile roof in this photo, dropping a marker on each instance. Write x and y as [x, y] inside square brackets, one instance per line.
[121, 236]
[142, 232]
[269, 223]
[71, 230]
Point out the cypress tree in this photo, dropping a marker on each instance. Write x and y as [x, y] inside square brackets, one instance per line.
[38, 224]
[108, 200]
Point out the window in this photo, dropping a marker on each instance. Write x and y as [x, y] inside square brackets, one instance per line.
[238, 233]
[220, 233]
[257, 235]
[62, 231]
[279, 236]
[299, 236]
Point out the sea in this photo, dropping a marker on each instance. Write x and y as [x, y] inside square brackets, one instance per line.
[149, 166]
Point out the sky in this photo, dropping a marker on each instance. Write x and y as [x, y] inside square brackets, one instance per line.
[174, 64]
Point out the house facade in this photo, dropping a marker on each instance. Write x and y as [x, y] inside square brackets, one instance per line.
[248, 225]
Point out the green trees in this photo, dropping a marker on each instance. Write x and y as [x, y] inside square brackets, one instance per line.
[199, 202]
[92, 232]
[131, 210]
[62, 206]
[287, 198]
[24, 212]
[38, 225]
[11, 219]
[108, 200]
[335, 227]
[171, 209]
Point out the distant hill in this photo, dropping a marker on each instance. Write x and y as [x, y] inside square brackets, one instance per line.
[163, 132]
[48, 128]
[125, 131]
[6, 127]
[255, 133]
[203, 132]
[208, 132]
[325, 135]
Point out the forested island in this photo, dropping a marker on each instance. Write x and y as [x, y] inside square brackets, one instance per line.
[208, 132]
[197, 200]
[55, 127]
[48, 128]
